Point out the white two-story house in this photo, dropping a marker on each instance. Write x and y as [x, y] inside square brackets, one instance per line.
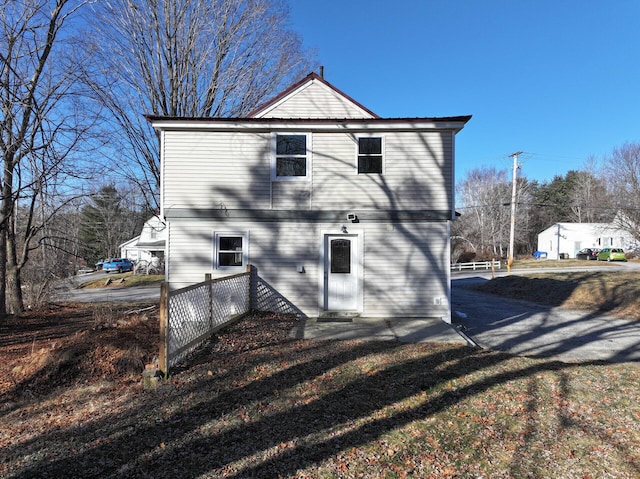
[148, 246]
[341, 211]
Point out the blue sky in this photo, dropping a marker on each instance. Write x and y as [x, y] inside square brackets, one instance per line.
[556, 79]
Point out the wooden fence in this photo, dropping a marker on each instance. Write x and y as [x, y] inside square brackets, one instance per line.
[189, 316]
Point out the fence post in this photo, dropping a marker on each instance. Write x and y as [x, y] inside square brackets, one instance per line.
[163, 361]
[210, 291]
[253, 286]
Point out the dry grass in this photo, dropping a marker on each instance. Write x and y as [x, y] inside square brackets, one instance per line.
[256, 403]
[123, 280]
[563, 263]
[616, 292]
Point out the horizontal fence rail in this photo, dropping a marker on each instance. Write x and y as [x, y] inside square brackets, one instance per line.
[189, 316]
[480, 265]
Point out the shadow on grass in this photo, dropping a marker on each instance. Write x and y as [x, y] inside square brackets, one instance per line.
[272, 406]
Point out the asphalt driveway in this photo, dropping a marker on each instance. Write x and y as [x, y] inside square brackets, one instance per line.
[530, 329]
[69, 290]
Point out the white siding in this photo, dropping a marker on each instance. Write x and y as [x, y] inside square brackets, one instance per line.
[227, 170]
[406, 270]
[152, 230]
[587, 235]
[315, 100]
[405, 265]
[216, 170]
[289, 195]
[417, 173]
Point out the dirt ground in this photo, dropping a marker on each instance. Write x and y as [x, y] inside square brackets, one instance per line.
[72, 344]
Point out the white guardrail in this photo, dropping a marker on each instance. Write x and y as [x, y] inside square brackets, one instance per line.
[495, 264]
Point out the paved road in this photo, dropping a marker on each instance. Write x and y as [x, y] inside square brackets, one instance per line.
[138, 294]
[530, 329]
[69, 291]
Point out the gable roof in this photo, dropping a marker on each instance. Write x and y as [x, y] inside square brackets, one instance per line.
[328, 102]
[312, 104]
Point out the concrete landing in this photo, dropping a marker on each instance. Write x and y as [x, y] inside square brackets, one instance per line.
[406, 330]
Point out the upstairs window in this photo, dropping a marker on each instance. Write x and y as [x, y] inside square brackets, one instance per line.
[291, 157]
[370, 154]
[231, 250]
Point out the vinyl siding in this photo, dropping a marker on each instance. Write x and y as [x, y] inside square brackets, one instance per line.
[232, 170]
[418, 169]
[405, 265]
[316, 101]
[216, 170]
[291, 195]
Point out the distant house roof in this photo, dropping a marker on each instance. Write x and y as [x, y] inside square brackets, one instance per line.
[131, 242]
[151, 244]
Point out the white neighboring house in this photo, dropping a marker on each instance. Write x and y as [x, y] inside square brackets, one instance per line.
[149, 245]
[569, 238]
[341, 211]
[129, 249]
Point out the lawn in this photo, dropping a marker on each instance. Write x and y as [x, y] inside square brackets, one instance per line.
[255, 403]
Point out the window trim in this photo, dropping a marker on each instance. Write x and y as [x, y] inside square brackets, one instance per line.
[274, 156]
[216, 249]
[382, 153]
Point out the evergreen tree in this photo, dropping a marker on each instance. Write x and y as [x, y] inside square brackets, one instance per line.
[106, 223]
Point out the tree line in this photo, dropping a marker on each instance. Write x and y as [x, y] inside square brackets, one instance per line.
[81, 165]
[603, 191]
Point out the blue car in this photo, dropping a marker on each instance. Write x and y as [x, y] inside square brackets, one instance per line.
[118, 265]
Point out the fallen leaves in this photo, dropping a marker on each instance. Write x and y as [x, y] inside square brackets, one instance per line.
[255, 403]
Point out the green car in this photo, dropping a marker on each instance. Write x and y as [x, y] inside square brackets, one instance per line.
[612, 254]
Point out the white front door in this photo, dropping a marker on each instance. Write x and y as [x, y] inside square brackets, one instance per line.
[341, 272]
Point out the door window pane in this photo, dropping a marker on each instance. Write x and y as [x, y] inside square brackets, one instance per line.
[340, 256]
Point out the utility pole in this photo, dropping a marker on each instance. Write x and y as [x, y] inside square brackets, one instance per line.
[513, 210]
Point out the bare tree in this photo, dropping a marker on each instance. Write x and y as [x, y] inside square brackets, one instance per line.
[486, 217]
[588, 197]
[39, 125]
[622, 174]
[197, 58]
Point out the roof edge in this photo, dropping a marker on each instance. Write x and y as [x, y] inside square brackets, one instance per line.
[378, 119]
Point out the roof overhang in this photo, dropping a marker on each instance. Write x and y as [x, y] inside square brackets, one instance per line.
[162, 123]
